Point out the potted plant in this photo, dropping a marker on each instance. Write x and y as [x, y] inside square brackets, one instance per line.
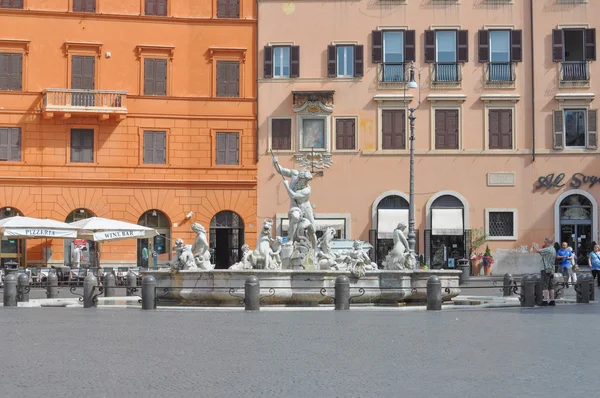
[488, 260]
[478, 238]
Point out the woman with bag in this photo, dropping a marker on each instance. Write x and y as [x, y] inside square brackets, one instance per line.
[594, 262]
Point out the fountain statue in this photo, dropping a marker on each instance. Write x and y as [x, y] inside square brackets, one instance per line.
[200, 249]
[354, 260]
[244, 263]
[400, 257]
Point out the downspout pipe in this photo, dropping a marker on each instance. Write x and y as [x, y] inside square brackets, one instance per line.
[257, 70]
[532, 82]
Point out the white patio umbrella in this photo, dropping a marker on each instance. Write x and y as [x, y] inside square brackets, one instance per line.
[28, 227]
[103, 229]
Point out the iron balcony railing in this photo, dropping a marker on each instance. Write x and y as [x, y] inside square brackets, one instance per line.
[393, 72]
[446, 72]
[501, 72]
[575, 71]
[106, 101]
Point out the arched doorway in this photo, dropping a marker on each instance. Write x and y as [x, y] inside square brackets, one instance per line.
[152, 253]
[577, 225]
[391, 210]
[226, 239]
[91, 251]
[12, 250]
[445, 236]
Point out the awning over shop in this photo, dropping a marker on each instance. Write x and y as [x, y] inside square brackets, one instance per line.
[447, 222]
[388, 220]
[28, 227]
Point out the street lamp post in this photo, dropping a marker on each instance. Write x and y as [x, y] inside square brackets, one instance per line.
[412, 84]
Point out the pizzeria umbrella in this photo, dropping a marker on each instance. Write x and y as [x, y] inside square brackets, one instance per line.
[103, 229]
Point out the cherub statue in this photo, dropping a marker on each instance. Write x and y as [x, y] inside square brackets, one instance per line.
[201, 248]
[178, 249]
[244, 263]
[359, 261]
[187, 258]
[276, 245]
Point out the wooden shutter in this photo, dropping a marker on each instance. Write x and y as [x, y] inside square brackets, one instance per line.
[483, 47]
[233, 79]
[393, 129]
[76, 72]
[4, 143]
[295, 61]
[590, 44]
[84, 5]
[446, 129]
[221, 8]
[76, 145]
[558, 123]
[430, 46]
[516, 45]
[161, 7]
[14, 144]
[16, 72]
[88, 72]
[148, 147]
[592, 129]
[281, 134]
[78, 5]
[221, 148]
[87, 154]
[233, 10]
[155, 146]
[409, 46]
[331, 61]
[148, 76]
[462, 47]
[4, 73]
[232, 156]
[160, 77]
[377, 46]
[359, 65]
[268, 63]
[345, 134]
[221, 79]
[500, 128]
[494, 128]
[557, 45]
[150, 7]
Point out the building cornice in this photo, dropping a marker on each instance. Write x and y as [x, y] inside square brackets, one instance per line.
[500, 97]
[129, 183]
[575, 96]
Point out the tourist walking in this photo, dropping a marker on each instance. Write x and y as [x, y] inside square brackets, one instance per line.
[574, 267]
[594, 262]
[565, 255]
[548, 254]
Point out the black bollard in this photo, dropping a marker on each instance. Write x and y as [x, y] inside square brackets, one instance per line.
[584, 286]
[539, 289]
[528, 291]
[52, 288]
[342, 293]
[110, 285]
[252, 293]
[23, 288]
[592, 287]
[10, 290]
[131, 283]
[89, 287]
[434, 293]
[149, 293]
[507, 289]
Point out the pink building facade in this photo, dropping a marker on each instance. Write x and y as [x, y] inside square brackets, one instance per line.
[505, 130]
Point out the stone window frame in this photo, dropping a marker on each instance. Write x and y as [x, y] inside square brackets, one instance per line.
[235, 54]
[168, 135]
[292, 138]
[155, 52]
[499, 101]
[573, 100]
[69, 128]
[583, 26]
[334, 132]
[392, 102]
[17, 46]
[512, 237]
[213, 149]
[327, 139]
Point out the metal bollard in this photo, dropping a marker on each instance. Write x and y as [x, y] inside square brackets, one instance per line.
[52, 288]
[539, 289]
[131, 283]
[252, 293]
[508, 285]
[528, 291]
[149, 293]
[592, 288]
[342, 293]
[89, 287]
[10, 290]
[584, 289]
[110, 285]
[23, 288]
[434, 293]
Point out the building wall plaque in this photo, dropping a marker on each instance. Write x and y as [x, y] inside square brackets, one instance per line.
[502, 179]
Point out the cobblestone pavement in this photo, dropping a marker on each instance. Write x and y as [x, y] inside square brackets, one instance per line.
[69, 352]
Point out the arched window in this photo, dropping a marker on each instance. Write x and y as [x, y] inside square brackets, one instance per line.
[90, 256]
[157, 251]
[576, 225]
[446, 239]
[226, 239]
[12, 250]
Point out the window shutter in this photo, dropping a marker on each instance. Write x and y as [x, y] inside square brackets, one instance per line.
[161, 7]
[590, 44]
[75, 146]
[399, 129]
[88, 72]
[409, 46]
[331, 61]
[4, 146]
[506, 129]
[160, 77]
[14, 136]
[340, 133]
[281, 131]
[268, 63]
[494, 128]
[462, 46]
[232, 155]
[393, 129]
[430, 46]
[77, 5]
[516, 46]
[148, 147]
[452, 128]
[440, 129]
[16, 72]
[148, 76]
[557, 45]
[359, 64]
[221, 8]
[160, 147]
[150, 7]
[377, 46]
[233, 78]
[484, 46]
[221, 148]
[295, 61]
[88, 146]
[592, 130]
[4, 75]
[92, 5]
[276, 134]
[558, 128]
[221, 78]
[76, 72]
[234, 9]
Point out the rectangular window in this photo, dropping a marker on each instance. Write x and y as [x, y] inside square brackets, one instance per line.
[446, 49]
[575, 128]
[393, 129]
[156, 7]
[228, 79]
[573, 48]
[155, 147]
[155, 76]
[345, 61]
[281, 61]
[82, 146]
[500, 67]
[446, 128]
[345, 134]
[500, 128]
[501, 224]
[83, 71]
[393, 56]
[446, 46]
[281, 134]
[84, 5]
[11, 72]
[227, 149]
[228, 8]
[11, 4]
[10, 144]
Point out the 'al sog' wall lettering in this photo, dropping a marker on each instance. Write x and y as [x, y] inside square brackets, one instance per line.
[556, 181]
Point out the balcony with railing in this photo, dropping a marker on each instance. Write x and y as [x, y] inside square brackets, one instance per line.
[446, 72]
[101, 103]
[501, 72]
[574, 71]
[392, 72]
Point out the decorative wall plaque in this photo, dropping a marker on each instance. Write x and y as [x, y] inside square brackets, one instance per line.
[501, 179]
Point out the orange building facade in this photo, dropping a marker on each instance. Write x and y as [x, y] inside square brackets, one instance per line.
[137, 110]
